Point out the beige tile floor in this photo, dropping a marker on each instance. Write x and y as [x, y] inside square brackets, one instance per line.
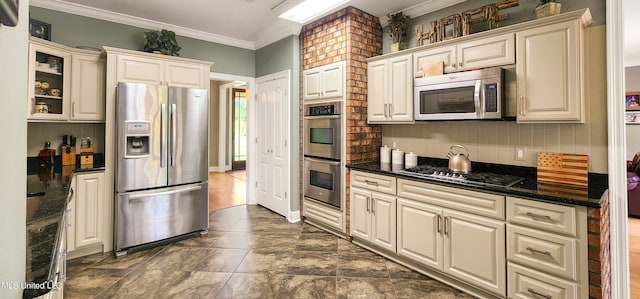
[250, 252]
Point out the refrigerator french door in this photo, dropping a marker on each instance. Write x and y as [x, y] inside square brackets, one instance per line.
[161, 167]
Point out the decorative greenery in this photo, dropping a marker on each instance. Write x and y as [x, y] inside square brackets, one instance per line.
[398, 26]
[543, 2]
[163, 41]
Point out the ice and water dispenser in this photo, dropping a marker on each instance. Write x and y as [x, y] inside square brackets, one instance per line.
[137, 135]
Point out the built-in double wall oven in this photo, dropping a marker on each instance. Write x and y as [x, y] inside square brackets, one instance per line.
[322, 124]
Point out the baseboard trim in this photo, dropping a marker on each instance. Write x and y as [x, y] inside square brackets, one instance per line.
[294, 216]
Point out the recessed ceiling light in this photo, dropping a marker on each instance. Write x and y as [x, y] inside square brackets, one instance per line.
[310, 9]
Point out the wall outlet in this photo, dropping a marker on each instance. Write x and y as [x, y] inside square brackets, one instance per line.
[520, 152]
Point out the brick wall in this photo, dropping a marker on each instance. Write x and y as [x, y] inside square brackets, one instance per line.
[349, 35]
[599, 252]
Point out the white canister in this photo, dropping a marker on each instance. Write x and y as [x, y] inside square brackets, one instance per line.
[410, 160]
[397, 157]
[385, 154]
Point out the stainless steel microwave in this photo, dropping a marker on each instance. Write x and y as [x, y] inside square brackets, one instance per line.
[476, 94]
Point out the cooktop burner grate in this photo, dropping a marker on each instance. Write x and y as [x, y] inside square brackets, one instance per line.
[443, 173]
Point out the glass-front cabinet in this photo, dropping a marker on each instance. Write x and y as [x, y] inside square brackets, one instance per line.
[49, 81]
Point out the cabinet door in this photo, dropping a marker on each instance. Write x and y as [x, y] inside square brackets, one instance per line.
[549, 73]
[474, 250]
[185, 74]
[420, 232]
[377, 91]
[139, 69]
[51, 68]
[383, 221]
[332, 81]
[487, 52]
[400, 89]
[360, 213]
[89, 196]
[447, 54]
[312, 84]
[87, 82]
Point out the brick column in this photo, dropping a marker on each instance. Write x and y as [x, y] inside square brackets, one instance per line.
[349, 35]
[599, 252]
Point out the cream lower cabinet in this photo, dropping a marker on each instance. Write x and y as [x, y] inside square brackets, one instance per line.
[373, 217]
[86, 217]
[390, 90]
[466, 246]
[546, 250]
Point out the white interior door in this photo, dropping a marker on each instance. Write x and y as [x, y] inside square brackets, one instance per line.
[273, 152]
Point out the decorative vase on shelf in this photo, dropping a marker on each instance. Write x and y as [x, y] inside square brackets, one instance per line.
[395, 47]
[548, 9]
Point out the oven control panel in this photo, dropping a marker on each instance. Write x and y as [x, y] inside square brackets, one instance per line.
[323, 109]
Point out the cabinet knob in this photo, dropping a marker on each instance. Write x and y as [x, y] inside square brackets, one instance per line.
[522, 105]
[453, 65]
[460, 63]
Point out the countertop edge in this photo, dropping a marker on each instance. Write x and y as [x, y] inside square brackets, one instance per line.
[34, 288]
[507, 191]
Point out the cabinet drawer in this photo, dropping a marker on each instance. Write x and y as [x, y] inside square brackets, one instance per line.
[527, 284]
[484, 204]
[323, 214]
[373, 182]
[544, 251]
[540, 215]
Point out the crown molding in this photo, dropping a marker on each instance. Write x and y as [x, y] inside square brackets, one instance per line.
[277, 32]
[423, 8]
[110, 16]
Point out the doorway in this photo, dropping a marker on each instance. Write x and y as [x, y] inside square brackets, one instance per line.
[228, 187]
[238, 129]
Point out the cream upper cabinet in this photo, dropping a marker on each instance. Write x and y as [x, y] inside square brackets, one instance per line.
[471, 54]
[75, 83]
[325, 81]
[86, 219]
[390, 90]
[49, 81]
[137, 69]
[152, 70]
[87, 87]
[549, 74]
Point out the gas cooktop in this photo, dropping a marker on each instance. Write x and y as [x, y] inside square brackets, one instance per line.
[444, 174]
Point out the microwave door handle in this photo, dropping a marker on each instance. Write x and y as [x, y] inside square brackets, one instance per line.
[478, 95]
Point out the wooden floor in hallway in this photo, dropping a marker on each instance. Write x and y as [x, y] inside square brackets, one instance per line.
[227, 189]
[634, 257]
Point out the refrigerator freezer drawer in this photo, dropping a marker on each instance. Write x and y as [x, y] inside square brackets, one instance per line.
[154, 215]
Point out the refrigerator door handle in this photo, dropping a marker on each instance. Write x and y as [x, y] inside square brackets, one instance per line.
[163, 152]
[146, 195]
[173, 135]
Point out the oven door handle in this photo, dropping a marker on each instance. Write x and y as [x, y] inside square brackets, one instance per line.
[333, 116]
[322, 161]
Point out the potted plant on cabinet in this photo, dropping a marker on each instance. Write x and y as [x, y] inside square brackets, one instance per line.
[398, 25]
[163, 41]
[547, 8]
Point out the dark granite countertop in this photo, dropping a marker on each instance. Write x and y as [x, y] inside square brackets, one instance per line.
[47, 197]
[591, 196]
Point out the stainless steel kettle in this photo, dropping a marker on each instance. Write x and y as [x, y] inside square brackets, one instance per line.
[458, 162]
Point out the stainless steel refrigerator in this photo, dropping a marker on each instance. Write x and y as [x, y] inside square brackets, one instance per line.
[162, 163]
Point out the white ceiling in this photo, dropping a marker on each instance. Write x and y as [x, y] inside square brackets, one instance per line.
[249, 24]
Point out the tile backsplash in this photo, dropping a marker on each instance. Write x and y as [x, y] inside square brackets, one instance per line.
[39, 133]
